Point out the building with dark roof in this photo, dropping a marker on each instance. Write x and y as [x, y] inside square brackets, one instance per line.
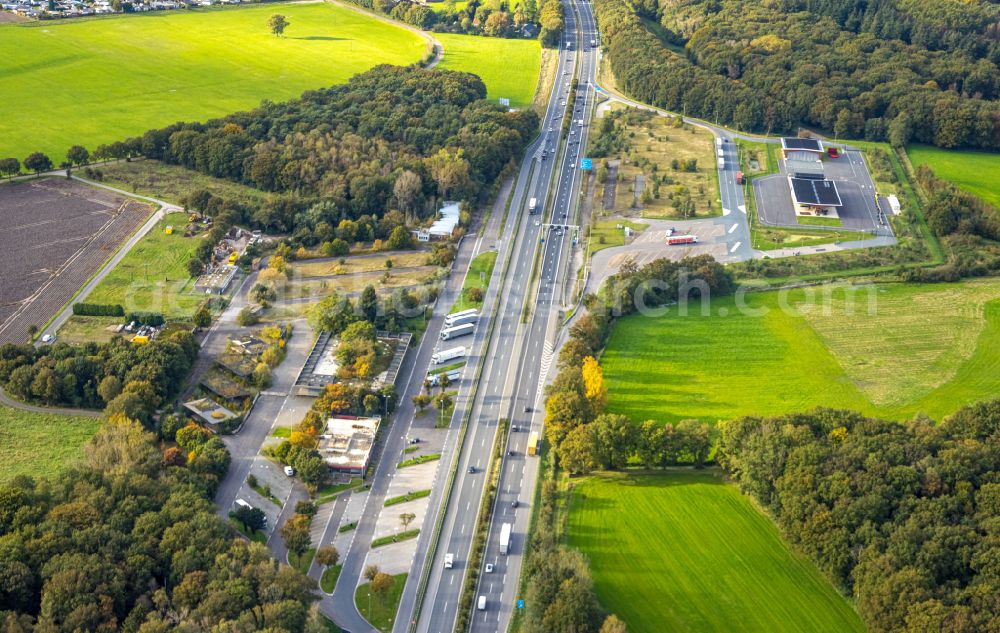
[813, 194]
[801, 148]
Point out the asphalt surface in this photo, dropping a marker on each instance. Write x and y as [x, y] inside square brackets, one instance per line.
[518, 357]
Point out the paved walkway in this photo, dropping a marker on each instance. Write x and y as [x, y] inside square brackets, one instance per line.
[7, 401]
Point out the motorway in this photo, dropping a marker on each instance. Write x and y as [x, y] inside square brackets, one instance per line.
[519, 354]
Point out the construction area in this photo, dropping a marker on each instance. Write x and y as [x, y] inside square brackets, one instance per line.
[54, 235]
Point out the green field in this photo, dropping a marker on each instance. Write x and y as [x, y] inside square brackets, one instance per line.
[40, 444]
[929, 348]
[976, 172]
[380, 610]
[153, 276]
[509, 68]
[92, 81]
[480, 271]
[685, 552]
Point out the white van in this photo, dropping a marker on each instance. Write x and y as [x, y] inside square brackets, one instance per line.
[481, 605]
[449, 561]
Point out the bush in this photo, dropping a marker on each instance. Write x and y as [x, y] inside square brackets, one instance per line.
[246, 317]
[152, 319]
[98, 309]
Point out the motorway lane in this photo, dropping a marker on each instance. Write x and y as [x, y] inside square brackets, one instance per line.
[444, 587]
[519, 473]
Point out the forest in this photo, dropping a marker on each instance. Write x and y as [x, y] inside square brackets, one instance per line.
[118, 376]
[905, 517]
[392, 138]
[129, 541]
[886, 70]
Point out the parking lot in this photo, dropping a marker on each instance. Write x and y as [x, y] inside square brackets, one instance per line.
[854, 184]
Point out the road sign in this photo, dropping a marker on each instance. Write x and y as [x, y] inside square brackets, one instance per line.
[520, 604]
[586, 164]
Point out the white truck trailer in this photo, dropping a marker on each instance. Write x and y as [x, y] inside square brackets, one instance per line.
[505, 538]
[453, 319]
[445, 355]
[459, 330]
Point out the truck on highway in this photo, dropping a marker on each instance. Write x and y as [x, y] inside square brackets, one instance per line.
[445, 355]
[449, 561]
[505, 538]
[533, 204]
[682, 239]
[459, 330]
[533, 443]
[453, 319]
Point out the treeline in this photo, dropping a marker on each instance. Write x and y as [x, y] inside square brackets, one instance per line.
[857, 69]
[129, 541]
[118, 376]
[390, 138]
[951, 210]
[903, 516]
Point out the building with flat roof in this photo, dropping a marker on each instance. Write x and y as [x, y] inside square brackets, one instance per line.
[346, 443]
[801, 148]
[216, 282]
[812, 194]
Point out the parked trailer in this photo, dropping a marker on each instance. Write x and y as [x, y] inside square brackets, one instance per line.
[718, 141]
[459, 330]
[462, 320]
[451, 319]
[453, 375]
[722, 163]
[682, 239]
[505, 539]
[533, 203]
[533, 443]
[445, 355]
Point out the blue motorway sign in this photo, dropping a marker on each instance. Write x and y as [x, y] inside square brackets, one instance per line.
[586, 164]
[520, 604]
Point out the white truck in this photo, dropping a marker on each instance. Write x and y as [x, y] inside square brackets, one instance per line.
[453, 319]
[459, 330]
[505, 538]
[445, 355]
[718, 141]
[722, 163]
[462, 320]
[449, 561]
[453, 375]
[532, 206]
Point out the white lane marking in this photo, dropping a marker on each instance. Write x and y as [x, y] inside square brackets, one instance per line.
[735, 246]
[725, 211]
[743, 208]
[733, 228]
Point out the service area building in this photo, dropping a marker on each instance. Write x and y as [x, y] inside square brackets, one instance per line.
[813, 194]
[346, 443]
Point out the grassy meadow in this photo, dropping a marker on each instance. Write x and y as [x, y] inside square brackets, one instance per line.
[480, 271]
[153, 276]
[92, 81]
[40, 444]
[925, 348]
[684, 551]
[509, 68]
[976, 172]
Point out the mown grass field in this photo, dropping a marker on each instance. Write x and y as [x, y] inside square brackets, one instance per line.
[509, 68]
[380, 610]
[605, 233]
[40, 444]
[925, 348]
[685, 552]
[153, 276]
[92, 81]
[976, 172]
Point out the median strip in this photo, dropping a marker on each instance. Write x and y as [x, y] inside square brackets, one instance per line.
[410, 496]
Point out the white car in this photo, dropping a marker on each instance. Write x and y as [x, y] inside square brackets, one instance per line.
[289, 471]
[48, 338]
[489, 568]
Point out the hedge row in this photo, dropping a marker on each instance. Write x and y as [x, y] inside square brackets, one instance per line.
[98, 309]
